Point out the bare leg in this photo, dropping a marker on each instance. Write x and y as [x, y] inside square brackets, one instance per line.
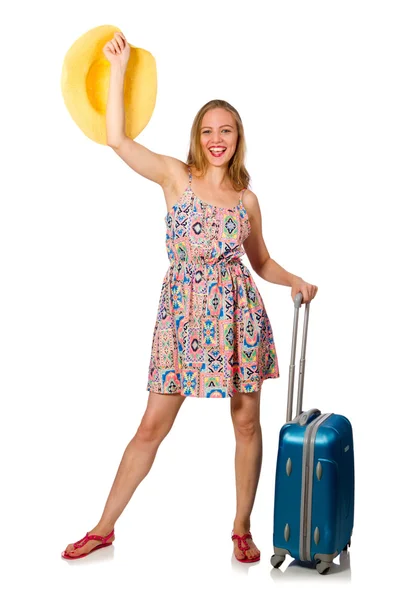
[245, 411]
[136, 462]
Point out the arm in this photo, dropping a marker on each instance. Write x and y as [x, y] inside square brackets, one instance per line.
[256, 250]
[259, 257]
[153, 166]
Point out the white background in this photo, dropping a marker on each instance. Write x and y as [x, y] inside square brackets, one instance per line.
[82, 241]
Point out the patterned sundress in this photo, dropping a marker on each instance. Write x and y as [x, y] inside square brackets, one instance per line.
[212, 336]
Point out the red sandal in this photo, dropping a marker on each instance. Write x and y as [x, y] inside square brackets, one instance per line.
[86, 539]
[242, 540]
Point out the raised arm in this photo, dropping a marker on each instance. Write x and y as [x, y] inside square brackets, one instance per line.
[153, 166]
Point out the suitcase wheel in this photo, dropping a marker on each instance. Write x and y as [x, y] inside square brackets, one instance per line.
[277, 560]
[323, 567]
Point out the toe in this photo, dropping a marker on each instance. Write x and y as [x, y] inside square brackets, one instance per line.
[238, 553]
[72, 551]
[253, 552]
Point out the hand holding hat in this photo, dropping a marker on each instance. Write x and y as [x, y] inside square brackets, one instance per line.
[86, 76]
[117, 51]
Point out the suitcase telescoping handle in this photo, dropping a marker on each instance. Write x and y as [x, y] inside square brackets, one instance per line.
[301, 418]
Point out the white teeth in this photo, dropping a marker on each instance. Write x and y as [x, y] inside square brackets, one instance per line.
[217, 150]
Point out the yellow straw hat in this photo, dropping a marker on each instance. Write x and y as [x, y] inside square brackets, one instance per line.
[85, 85]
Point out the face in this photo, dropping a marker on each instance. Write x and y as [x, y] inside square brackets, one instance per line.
[218, 136]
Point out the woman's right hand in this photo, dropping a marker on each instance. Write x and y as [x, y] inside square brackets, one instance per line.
[117, 51]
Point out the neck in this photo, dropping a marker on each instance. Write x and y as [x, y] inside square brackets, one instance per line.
[215, 176]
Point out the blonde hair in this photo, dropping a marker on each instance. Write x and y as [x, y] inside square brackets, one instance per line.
[238, 174]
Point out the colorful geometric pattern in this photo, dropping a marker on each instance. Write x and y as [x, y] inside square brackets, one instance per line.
[212, 336]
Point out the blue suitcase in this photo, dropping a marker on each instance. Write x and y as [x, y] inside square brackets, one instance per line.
[314, 484]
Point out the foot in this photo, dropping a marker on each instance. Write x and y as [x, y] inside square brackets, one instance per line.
[98, 530]
[252, 552]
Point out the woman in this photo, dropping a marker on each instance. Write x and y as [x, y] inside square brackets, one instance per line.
[212, 336]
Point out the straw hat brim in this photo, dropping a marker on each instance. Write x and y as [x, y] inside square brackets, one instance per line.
[85, 84]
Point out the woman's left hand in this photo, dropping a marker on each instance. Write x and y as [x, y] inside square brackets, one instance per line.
[308, 290]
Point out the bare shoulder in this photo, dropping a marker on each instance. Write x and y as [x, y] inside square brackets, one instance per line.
[251, 197]
[251, 203]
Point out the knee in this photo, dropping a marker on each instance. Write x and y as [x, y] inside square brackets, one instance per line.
[245, 424]
[150, 431]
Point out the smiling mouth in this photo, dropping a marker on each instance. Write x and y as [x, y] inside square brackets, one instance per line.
[217, 152]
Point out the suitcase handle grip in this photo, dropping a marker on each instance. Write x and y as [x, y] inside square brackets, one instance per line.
[306, 417]
[297, 304]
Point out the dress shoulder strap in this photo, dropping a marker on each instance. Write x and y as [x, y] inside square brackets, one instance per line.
[190, 175]
[241, 195]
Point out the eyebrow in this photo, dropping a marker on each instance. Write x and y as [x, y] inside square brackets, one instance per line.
[209, 127]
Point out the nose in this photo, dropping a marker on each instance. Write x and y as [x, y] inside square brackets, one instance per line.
[217, 139]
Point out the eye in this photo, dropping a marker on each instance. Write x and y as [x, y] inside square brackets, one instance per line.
[207, 131]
